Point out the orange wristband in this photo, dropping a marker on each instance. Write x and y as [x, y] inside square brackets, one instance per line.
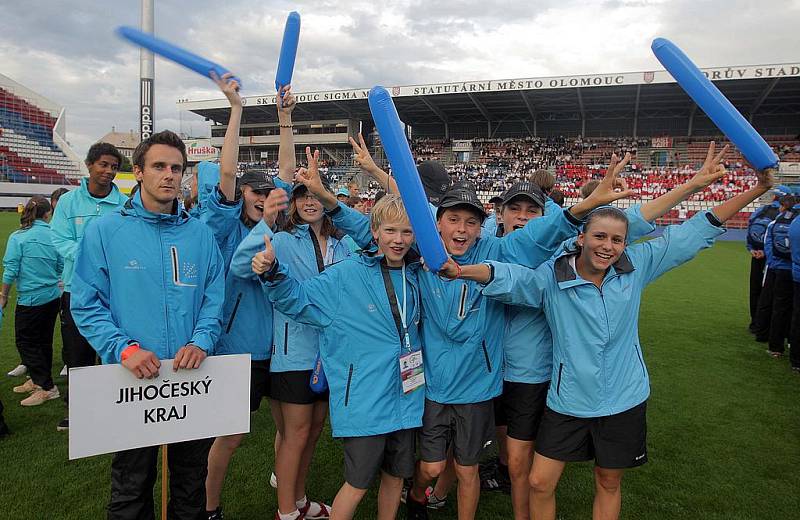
[129, 350]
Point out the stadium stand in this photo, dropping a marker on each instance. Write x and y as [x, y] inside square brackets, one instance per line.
[29, 131]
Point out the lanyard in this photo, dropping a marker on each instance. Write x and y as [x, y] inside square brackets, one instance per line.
[400, 319]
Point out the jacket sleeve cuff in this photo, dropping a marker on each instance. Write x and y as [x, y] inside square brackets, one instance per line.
[271, 275]
[712, 219]
[575, 221]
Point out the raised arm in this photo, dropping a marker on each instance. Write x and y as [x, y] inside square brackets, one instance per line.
[229, 156]
[711, 171]
[367, 164]
[507, 283]
[344, 218]
[611, 188]
[253, 243]
[314, 301]
[287, 162]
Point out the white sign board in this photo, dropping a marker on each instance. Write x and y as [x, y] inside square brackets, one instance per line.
[200, 150]
[111, 410]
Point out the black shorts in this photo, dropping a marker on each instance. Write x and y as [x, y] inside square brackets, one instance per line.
[259, 382]
[394, 453]
[523, 406]
[500, 418]
[464, 428]
[293, 387]
[614, 442]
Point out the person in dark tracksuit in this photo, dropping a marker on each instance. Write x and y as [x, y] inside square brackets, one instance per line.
[756, 229]
[794, 332]
[777, 242]
[778, 271]
[33, 263]
[122, 306]
[96, 196]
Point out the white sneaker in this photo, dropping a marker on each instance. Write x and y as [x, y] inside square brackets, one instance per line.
[21, 370]
[63, 371]
[273, 480]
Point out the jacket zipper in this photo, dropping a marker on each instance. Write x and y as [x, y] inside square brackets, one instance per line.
[558, 385]
[486, 357]
[641, 361]
[285, 337]
[233, 314]
[166, 309]
[347, 390]
[462, 303]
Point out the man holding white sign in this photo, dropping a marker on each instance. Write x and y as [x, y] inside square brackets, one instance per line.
[155, 295]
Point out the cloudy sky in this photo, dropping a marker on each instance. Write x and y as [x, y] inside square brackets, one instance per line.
[66, 50]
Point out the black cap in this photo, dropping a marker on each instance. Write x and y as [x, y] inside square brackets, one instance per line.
[525, 189]
[462, 195]
[435, 180]
[257, 180]
[495, 199]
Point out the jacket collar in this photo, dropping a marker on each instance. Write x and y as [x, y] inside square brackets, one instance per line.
[113, 196]
[566, 275]
[134, 207]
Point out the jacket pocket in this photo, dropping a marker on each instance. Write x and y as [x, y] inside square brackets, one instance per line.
[347, 388]
[641, 361]
[233, 313]
[286, 338]
[462, 303]
[558, 384]
[486, 357]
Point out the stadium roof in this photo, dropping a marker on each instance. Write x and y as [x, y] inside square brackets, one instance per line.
[766, 90]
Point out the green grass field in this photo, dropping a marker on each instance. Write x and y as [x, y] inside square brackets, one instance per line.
[724, 424]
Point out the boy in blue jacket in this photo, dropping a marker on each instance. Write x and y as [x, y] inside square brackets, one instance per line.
[590, 296]
[370, 348]
[96, 196]
[155, 295]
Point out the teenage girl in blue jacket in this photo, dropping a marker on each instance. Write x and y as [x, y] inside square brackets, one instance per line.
[597, 400]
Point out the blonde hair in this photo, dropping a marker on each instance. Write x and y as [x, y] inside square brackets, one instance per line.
[389, 209]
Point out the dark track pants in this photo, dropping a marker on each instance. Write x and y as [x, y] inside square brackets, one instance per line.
[77, 351]
[781, 319]
[133, 474]
[764, 311]
[33, 327]
[757, 266]
[794, 335]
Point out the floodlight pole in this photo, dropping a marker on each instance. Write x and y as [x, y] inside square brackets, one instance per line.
[146, 76]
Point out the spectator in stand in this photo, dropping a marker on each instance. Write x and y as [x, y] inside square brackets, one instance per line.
[353, 189]
[33, 263]
[756, 229]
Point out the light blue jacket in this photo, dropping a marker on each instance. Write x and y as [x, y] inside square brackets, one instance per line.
[295, 345]
[598, 367]
[32, 261]
[528, 347]
[74, 211]
[153, 278]
[489, 227]
[360, 345]
[463, 331]
[246, 314]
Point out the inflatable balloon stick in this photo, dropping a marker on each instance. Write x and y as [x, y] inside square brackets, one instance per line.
[291, 36]
[172, 52]
[714, 104]
[405, 173]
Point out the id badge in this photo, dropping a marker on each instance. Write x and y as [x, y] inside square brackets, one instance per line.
[411, 372]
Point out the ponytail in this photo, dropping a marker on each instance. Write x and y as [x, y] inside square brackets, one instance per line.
[36, 208]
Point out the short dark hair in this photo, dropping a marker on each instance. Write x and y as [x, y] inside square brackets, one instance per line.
[165, 137]
[57, 195]
[788, 201]
[98, 150]
[544, 179]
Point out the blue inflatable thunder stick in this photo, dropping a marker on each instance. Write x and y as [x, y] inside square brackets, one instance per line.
[291, 37]
[406, 175]
[172, 52]
[714, 104]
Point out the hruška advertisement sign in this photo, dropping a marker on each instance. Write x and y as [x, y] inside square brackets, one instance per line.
[111, 410]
